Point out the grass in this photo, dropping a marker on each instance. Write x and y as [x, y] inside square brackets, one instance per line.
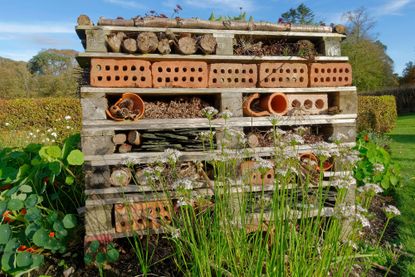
[403, 152]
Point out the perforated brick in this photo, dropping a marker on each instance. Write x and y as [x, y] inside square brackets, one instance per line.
[120, 73]
[330, 74]
[309, 103]
[141, 216]
[232, 75]
[180, 74]
[283, 75]
[255, 178]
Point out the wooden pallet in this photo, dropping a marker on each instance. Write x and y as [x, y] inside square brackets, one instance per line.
[97, 130]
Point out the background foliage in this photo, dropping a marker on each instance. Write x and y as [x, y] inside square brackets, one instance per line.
[376, 113]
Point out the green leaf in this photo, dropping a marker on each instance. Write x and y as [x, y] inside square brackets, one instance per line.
[22, 171]
[5, 233]
[15, 205]
[11, 245]
[54, 151]
[61, 234]
[100, 258]
[88, 259]
[25, 188]
[52, 217]
[94, 246]
[21, 196]
[7, 262]
[3, 206]
[70, 144]
[69, 180]
[24, 259]
[35, 162]
[394, 180]
[69, 221]
[33, 214]
[31, 201]
[55, 167]
[41, 237]
[37, 260]
[76, 157]
[112, 255]
[58, 226]
[31, 230]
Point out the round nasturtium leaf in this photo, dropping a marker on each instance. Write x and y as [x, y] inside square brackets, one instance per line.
[41, 237]
[113, 255]
[93, 246]
[32, 214]
[55, 167]
[31, 201]
[76, 157]
[54, 151]
[69, 221]
[25, 188]
[37, 260]
[100, 258]
[15, 205]
[24, 259]
[5, 233]
[31, 230]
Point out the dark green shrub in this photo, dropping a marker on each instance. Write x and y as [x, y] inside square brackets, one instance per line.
[404, 96]
[376, 113]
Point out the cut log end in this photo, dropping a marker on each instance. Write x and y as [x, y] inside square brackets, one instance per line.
[84, 20]
[119, 139]
[125, 148]
[114, 43]
[134, 138]
[120, 177]
[207, 43]
[187, 45]
[147, 42]
[129, 45]
[164, 46]
[253, 140]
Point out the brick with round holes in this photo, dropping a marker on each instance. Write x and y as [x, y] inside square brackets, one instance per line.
[330, 74]
[248, 169]
[120, 73]
[308, 103]
[233, 75]
[141, 216]
[283, 75]
[179, 74]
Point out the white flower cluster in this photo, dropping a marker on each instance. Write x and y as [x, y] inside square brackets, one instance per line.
[209, 112]
[68, 117]
[226, 114]
[186, 184]
[370, 188]
[378, 167]
[391, 211]
[206, 135]
[363, 220]
[295, 139]
[338, 137]
[171, 155]
[261, 164]
[182, 202]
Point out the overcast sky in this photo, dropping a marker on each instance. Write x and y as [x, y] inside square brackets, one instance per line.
[28, 26]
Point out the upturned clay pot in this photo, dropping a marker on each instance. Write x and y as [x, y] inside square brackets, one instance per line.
[248, 109]
[276, 103]
[129, 103]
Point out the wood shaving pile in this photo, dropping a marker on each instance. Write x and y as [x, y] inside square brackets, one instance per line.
[180, 107]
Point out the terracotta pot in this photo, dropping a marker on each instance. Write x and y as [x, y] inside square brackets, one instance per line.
[247, 106]
[130, 101]
[327, 165]
[276, 103]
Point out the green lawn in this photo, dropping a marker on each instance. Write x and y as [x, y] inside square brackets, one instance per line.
[403, 152]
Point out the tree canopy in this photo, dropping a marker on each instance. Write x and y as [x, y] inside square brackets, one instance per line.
[300, 15]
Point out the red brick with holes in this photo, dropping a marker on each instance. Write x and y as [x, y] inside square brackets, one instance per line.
[232, 75]
[119, 73]
[179, 74]
[283, 75]
[330, 74]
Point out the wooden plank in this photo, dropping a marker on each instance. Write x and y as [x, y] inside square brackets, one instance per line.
[87, 91]
[212, 31]
[236, 187]
[217, 123]
[95, 40]
[226, 56]
[224, 44]
[332, 46]
[149, 157]
[98, 219]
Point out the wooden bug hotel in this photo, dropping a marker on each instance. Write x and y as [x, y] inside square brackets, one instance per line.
[147, 81]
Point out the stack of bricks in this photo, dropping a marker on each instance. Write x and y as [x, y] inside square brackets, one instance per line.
[315, 87]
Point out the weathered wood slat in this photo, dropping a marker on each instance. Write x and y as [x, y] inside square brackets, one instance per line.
[298, 33]
[236, 187]
[83, 57]
[87, 92]
[217, 123]
[115, 159]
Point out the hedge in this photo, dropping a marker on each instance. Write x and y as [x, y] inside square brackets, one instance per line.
[404, 96]
[52, 119]
[376, 113]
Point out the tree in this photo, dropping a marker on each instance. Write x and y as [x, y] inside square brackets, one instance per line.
[301, 15]
[372, 67]
[52, 62]
[359, 23]
[408, 75]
